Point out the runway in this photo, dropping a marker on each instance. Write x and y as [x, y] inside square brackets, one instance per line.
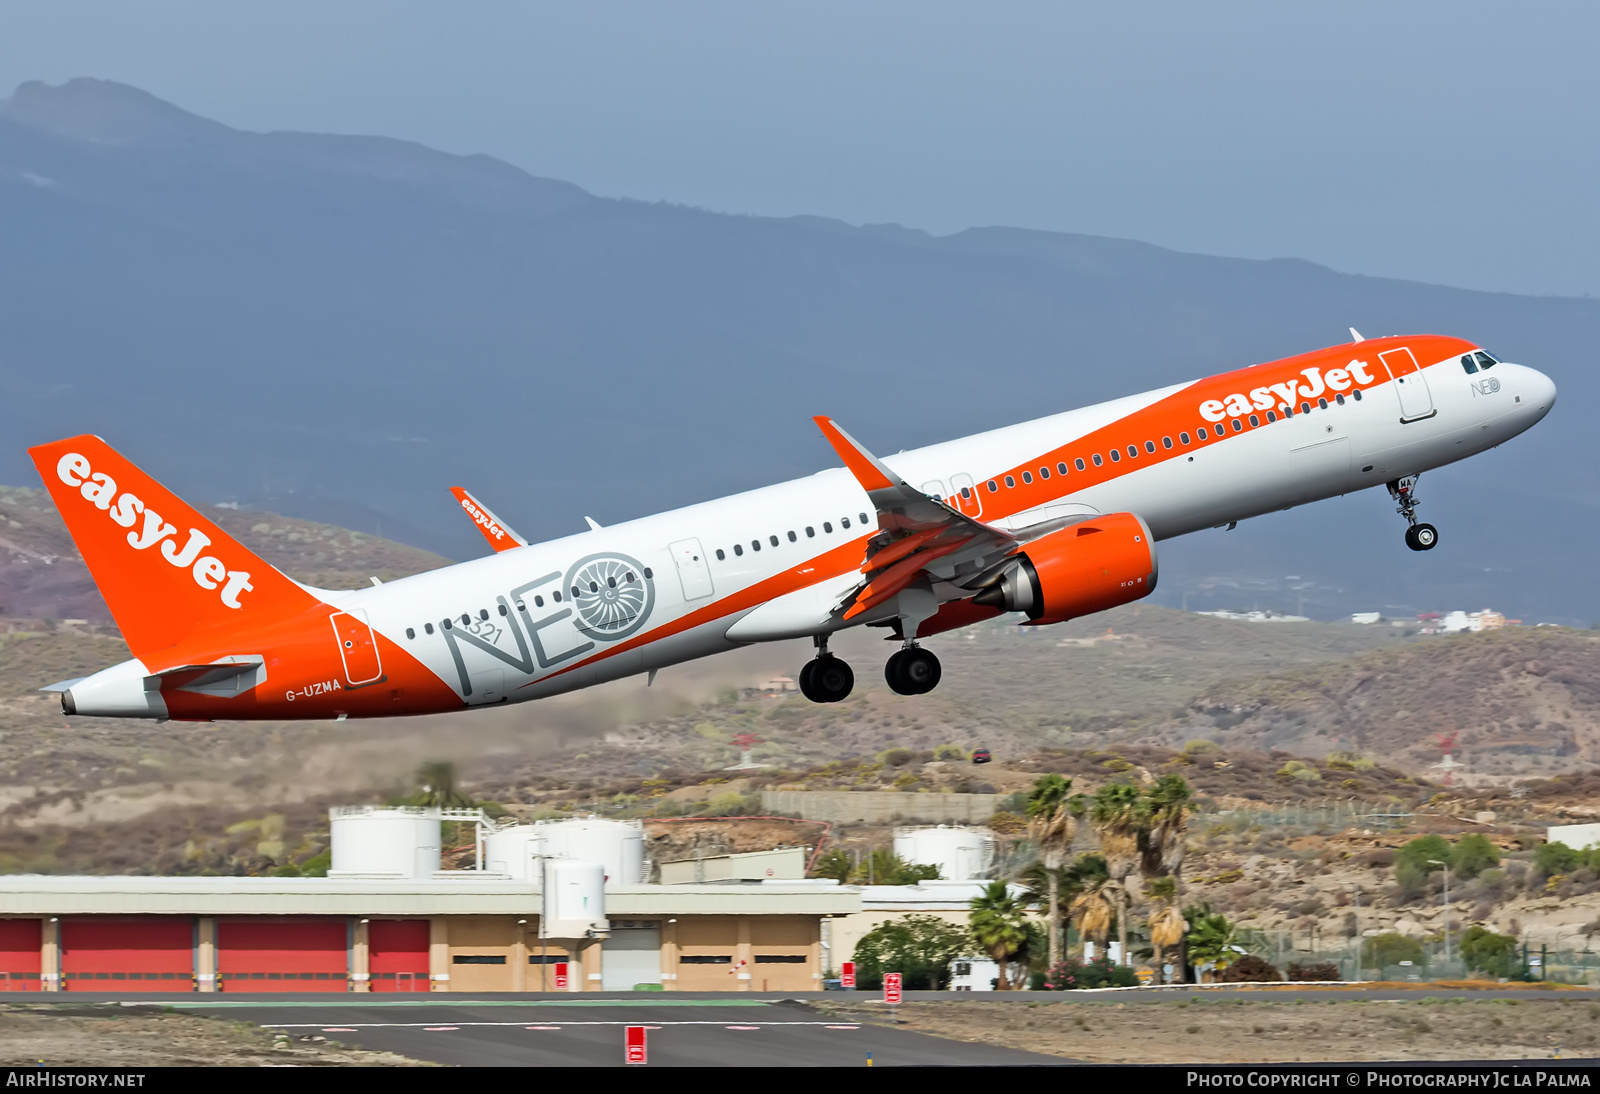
[551, 1033]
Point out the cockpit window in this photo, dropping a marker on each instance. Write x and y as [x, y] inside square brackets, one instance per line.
[1469, 364]
[1485, 362]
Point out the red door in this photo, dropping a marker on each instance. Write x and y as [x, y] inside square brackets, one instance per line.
[20, 940]
[283, 953]
[397, 954]
[357, 647]
[128, 953]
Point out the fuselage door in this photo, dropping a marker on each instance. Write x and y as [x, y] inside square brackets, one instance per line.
[357, 648]
[693, 572]
[964, 495]
[1416, 401]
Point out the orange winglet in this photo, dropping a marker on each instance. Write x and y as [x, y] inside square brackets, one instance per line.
[895, 578]
[869, 472]
[500, 537]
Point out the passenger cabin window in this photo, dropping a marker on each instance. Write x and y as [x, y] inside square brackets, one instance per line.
[1254, 421]
[993, 486]
[445, 623]
[1098, 462]
[826, 527]
[538, 602]
[844, 522]
[1061, 467]
[793, 538]
[1166, 442]
[811, 533]
[1357, 394]
[773, 540]
[1027, 476]
[505, 611]
[966, 492]
[1305, 408]
[755, 545]
[427, 628]
[721, 557]
[1238, 426]
[1339, 399]
[1010, 482]
[1079, 463]
[1116, 457]
[1469, 364]
[1201, 433]
[410, 633]
[1133, 451]
[863, 518]
[1149, 446]
[556, 596]
[1044, 472]
[1271, 417]
[1183, 438]
[1322, 404]
[738, 550]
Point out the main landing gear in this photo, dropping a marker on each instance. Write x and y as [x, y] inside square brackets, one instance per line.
[825, 678]
[912, 671]
[1419, 537]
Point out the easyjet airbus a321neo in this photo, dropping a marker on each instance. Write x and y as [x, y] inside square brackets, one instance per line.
[1053, 519]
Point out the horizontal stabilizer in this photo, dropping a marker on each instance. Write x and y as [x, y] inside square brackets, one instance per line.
[64, 685]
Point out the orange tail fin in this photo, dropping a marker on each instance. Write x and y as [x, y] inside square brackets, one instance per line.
[164, 570]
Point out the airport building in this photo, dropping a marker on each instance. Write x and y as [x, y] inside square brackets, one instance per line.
[555, 906]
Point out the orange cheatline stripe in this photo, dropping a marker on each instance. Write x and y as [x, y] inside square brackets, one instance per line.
[1179, 413]
[833, 563]
[897, 577]
[863, 468]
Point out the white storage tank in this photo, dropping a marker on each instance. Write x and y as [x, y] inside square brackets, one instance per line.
[617, 845]
[514, 851]
[573, 899]
[960, 853]
[375, 841]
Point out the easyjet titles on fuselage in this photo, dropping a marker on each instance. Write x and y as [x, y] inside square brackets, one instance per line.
[1284, 396]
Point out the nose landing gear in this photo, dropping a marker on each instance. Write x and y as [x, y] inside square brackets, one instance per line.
[912, 671]
[825, 678]
[1419, 536]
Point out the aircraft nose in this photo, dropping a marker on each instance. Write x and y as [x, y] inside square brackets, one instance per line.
[1541, 390]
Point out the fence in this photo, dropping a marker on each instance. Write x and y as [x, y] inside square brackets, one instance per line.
[1530, 962]
[881, 806]
[1326, 817]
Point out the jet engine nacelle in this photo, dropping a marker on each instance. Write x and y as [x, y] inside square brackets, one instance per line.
[1082, 569]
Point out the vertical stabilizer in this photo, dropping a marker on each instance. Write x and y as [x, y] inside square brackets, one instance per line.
[163, 568]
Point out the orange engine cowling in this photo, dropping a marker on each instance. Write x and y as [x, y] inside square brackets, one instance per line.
[1082, 569]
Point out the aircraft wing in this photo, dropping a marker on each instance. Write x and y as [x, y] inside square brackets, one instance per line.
[919, 536]
[495, 530]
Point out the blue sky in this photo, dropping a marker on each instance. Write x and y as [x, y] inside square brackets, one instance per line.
[1446, 142]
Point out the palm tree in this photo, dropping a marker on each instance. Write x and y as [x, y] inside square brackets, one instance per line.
[1053, 822]
[1118, 818]
[436, 781]
[1096, 896]
[999, 924]
[1211, 938]
[1167, 925]
[1163, 825]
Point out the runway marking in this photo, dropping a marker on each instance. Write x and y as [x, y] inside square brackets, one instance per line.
[338, 1029]
[435, 1029]
[502, 1025]
[431, 1000]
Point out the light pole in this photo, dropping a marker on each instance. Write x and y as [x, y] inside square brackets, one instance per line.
[1446, 865]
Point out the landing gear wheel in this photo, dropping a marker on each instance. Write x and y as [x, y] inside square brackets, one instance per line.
[912, 671]
[1422, 537]
[826, 680]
